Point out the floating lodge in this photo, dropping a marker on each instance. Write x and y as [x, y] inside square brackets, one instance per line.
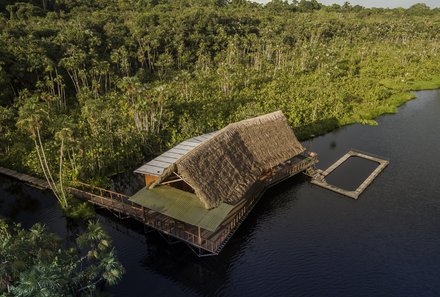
[201, 190]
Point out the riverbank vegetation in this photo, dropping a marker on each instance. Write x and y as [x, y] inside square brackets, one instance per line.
[35, 262]
[92, 88]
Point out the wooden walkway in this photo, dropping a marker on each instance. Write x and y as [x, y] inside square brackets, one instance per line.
[203, 242]
[30, 180]
[318, 176]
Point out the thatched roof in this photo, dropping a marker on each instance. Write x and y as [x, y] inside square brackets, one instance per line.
[225, 167]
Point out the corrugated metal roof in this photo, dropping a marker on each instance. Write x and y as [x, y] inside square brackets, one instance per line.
[156, 166]
[182, 206]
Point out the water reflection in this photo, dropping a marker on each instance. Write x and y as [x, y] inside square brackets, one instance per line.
[350, 174]
[24, 201]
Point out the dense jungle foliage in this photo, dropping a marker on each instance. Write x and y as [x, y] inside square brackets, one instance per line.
[92, 87]
[35, 263]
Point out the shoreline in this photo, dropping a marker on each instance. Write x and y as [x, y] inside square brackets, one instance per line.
[367, 117]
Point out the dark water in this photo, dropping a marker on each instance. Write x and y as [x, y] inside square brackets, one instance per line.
[301, 240]
[351, 173]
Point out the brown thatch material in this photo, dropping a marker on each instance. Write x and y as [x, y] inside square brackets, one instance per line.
[225, 167]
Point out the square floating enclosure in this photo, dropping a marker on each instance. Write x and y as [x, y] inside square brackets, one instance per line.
[320, 176]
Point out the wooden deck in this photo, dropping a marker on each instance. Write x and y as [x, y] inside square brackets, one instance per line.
[203, 242]
[318, 176]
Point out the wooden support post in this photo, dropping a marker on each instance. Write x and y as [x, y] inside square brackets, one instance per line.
[200, 237]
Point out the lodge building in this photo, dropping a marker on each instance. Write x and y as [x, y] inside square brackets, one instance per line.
[201, 190]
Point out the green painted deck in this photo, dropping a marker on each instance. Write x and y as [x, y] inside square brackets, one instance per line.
[182, 206]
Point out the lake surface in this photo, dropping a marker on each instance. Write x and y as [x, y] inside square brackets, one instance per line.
[300, 239]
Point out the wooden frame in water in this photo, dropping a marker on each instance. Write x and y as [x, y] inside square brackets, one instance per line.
[318, 177]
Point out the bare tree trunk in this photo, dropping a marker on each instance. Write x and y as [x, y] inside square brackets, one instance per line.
[46, 170]
[63, 194]
[51, 186]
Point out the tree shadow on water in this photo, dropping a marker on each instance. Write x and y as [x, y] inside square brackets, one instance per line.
[16, 200]
[317, 128]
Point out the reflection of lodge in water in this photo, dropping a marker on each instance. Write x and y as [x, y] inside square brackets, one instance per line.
[201, 190]
[171, 261]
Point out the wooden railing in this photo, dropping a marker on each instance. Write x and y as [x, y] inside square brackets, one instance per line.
[101, 191]
[107, 199]
[121, 203]
[180, 231]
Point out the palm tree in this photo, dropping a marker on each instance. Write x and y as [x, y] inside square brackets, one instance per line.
[31, 118]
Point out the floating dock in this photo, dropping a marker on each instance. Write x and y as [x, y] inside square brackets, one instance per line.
[318, 176]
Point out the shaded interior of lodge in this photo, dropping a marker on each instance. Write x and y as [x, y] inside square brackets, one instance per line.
[201, 190]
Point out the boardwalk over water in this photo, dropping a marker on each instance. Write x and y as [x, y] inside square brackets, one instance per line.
[30, 180]
[319, 176]
[203, 242]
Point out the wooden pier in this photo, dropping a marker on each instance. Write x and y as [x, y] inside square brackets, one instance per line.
[318, 176]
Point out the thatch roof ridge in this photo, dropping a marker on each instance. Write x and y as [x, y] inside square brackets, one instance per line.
[263, 119]
[270, 138]
[260, 119]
